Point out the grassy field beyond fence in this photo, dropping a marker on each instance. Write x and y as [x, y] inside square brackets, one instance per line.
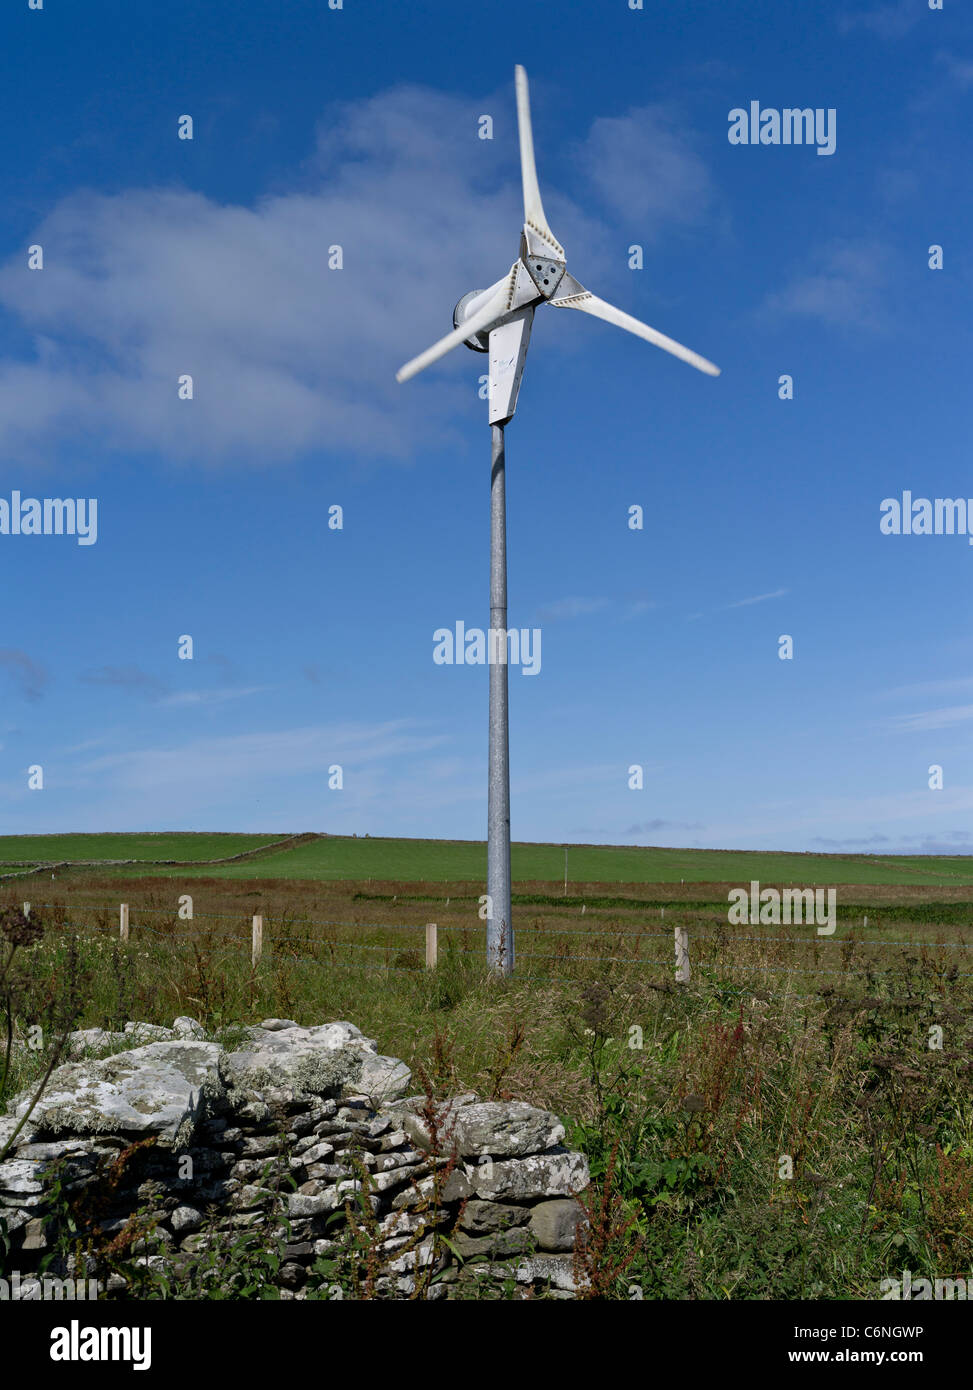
[795, 1123]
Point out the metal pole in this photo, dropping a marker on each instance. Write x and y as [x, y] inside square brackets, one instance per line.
[500, 940]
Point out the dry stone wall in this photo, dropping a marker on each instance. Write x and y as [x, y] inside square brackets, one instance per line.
[292, 1123]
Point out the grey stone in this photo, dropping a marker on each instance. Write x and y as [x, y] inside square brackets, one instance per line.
[15, 1219]
[260, 1144]
[500, 1243]
[312, 1062]
[188, 1028]
[327, 1172]
[148, 1032]
[330, 1199]
[318, 1152]
[382, 1078]
[558, 1174]
[553, 1269]
[19, 1175]
[499, 1128]
[185, 1219]
[35, 1236]
[85, 1040]
[163, 1089]
[455, 1188]
[555, 1223]
[484, 1218]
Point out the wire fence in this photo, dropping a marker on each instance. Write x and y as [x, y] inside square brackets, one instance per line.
[693, 946]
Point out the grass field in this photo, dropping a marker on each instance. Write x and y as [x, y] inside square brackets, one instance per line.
[147, 847]
[685, 1098]
[335, 858]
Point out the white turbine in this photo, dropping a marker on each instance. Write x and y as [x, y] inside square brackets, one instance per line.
[538, 276]
[498, 320]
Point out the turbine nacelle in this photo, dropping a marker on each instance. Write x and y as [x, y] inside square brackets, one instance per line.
[498, 320]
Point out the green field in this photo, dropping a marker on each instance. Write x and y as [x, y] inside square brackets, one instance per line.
[148, 847]
[336, 858]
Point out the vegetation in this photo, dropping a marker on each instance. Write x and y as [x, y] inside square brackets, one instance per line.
[797, 1122]
[336, 857]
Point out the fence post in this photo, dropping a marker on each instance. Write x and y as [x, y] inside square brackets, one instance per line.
[256, 950]
[682, 956]
[123, 922]
[432, 946]
[26, 909]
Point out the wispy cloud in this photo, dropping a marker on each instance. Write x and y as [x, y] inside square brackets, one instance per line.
[131, 678]
[958, 71]
[650, 827]
[636, 608]
[623, 610]
[234, 758]
[946, 842]
[565, 608]
[921, 688]
[853, 844]
[138, 682]
[183, 698]
[644, 167]
[757, 598]
[28, 675]
[889, 21]
[844, 287]
[932, 719]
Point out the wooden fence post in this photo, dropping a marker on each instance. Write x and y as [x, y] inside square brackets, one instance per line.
[258, 940]
[432, 946]
[26, 909]
[123, 922]
[682, 956]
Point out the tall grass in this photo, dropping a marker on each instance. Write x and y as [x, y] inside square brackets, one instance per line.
[786, 1126]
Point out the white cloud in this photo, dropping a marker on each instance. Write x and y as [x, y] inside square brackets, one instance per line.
[757, 598]
[929, 688]
[845, 287]
[212, 697]
[644, 168]
[142, 286]
[959, 71]
[206, 763]
[889, 21]
[566, 608]
[932, 719]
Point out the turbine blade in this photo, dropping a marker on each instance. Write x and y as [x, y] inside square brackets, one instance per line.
[533, 207]
[485, 317]
[599, 308]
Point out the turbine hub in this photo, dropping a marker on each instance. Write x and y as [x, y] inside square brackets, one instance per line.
[544, 261]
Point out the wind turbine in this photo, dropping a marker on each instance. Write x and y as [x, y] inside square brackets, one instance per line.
[498, 321]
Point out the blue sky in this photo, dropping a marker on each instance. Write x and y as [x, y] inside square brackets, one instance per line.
[312, 646]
